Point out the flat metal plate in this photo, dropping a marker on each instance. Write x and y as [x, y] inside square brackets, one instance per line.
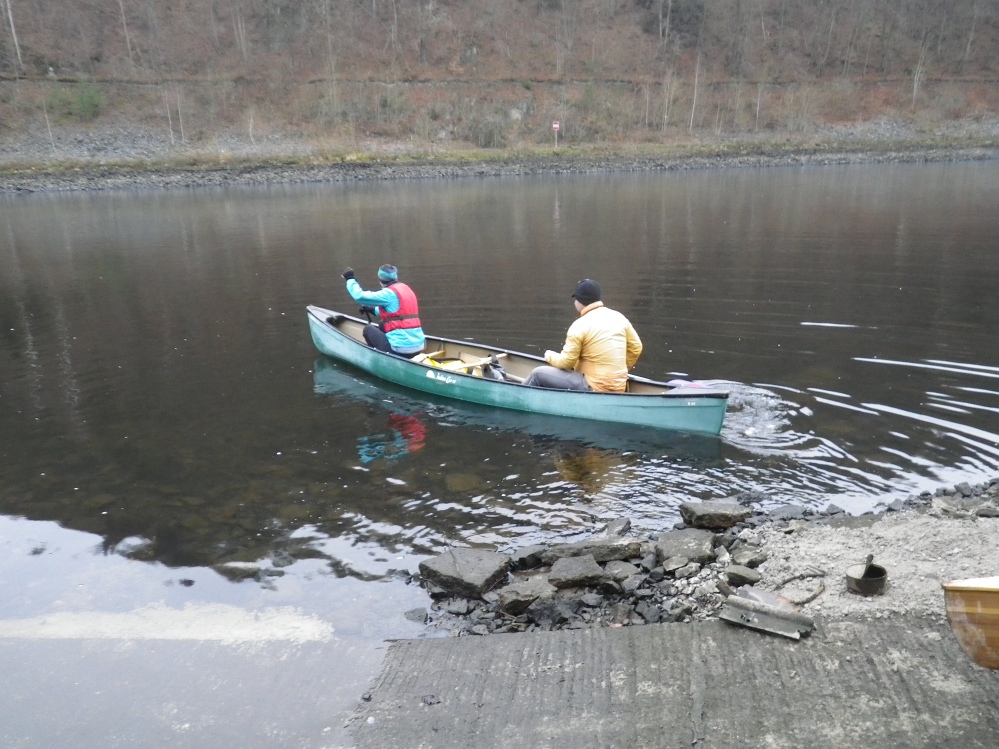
[760, 621]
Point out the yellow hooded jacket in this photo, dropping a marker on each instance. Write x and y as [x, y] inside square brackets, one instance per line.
[602, 345]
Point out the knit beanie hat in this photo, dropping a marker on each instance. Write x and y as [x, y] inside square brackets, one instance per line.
[587, 292]
[388, 273]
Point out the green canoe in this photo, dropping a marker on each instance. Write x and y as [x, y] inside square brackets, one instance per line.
[460, 370]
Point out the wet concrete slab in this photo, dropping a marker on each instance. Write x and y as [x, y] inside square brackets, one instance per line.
[887, 683]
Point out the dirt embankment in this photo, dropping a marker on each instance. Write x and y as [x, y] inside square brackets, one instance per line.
[123, 157]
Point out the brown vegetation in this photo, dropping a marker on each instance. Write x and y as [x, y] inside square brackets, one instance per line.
[495, 73]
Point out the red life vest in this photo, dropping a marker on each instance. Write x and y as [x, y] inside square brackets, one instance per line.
[408, 314]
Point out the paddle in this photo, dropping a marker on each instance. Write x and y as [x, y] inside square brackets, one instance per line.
[466, 365]
[420, 358]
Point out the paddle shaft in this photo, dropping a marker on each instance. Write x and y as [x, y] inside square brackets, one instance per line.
[466, 365]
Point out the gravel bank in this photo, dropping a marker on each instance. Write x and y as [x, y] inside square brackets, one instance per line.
[126, 158]
[919, 551]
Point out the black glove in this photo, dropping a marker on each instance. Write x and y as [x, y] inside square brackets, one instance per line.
[348, 274]
[366, 310]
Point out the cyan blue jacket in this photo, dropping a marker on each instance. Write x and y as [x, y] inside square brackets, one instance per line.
[403, 340]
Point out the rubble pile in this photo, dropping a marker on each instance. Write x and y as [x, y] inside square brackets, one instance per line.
[615, 579]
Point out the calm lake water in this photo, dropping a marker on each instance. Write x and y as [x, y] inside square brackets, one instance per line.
[163, 411]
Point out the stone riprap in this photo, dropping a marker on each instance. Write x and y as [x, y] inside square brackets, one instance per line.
[130, 155]
[683, 574]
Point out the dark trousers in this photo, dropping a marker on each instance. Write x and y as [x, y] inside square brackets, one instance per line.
[376, 338]
[557, 379]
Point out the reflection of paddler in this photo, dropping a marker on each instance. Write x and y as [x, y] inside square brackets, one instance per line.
[411, 429]
[590, 468]
[407, 434]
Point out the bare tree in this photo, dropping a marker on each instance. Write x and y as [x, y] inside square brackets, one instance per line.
[331, 57]
[971, 38]
[664, 21]
[668, 88]
[889, 23]
[239, 27]
[48, 125]
[829, 37]
[919, 73]
[13, 33]
[124, 24]
[759, 99]
[566, 27]
[166, 103]
[180, 119]
[854, 40]
[693, 103]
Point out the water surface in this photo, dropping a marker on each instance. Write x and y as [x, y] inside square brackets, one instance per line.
[164, 411]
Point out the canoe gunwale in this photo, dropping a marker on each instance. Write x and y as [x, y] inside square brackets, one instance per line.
[329, 321]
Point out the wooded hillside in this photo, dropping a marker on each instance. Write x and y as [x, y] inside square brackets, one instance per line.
[496, 72]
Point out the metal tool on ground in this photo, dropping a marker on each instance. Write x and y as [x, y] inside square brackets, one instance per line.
[764, 617]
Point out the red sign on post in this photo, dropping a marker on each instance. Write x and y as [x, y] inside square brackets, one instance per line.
[555, 125]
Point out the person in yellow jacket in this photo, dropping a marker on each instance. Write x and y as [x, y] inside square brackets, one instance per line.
[600, 348]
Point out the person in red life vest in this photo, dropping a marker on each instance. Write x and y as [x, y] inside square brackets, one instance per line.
[399, 330]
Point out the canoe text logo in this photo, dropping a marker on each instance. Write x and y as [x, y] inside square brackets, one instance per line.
[446, 379]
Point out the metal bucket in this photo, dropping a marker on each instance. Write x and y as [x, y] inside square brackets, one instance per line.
[866, 579]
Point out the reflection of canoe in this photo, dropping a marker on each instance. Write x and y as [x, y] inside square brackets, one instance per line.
[973, 613]
[647, 403]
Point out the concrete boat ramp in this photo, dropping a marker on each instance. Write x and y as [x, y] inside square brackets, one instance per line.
[897, 682]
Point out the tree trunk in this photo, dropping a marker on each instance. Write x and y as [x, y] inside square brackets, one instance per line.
[825, 55]
[13, 33]
[693, 104]
[971, 38]
[124, 24]
[917, 75]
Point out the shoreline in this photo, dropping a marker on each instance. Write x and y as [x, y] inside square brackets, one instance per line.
[882, 666]
[790, 553]
[290, 165]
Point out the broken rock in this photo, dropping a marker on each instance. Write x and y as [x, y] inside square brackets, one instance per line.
[576, 572]
[695, 544]
[466, 572]
[601, 548]
[713, 514]
[514, 599]
[739, 575]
